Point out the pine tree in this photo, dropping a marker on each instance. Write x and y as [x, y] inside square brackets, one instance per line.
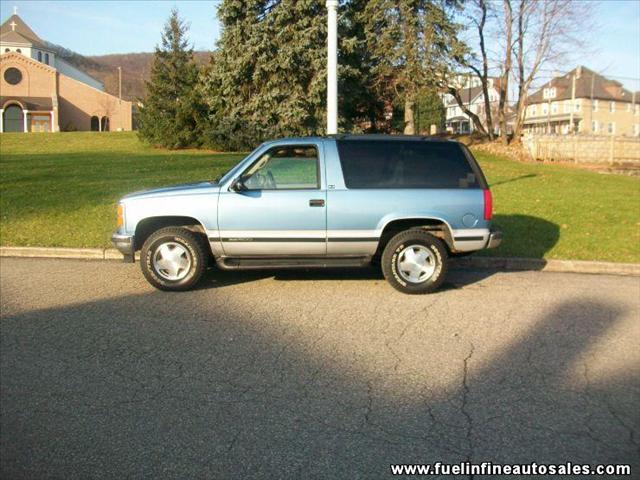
[268, 77]
[173, 111]
[413, 43]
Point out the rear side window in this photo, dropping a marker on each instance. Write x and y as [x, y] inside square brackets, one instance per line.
[406, 164]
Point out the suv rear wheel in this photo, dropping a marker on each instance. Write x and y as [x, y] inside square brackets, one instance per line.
[173, 258]
[414, 261]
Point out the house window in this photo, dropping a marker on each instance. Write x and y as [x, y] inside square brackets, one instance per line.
[545, 108]
[40, 56]
[594, 126]
[533, 110]
[6, 50]
[566, 106]
[46, 58]
[18, 50]
[549, 93]
[576, 107]
[611, 128]
[612, 107]
[594, 106]
[554, 108]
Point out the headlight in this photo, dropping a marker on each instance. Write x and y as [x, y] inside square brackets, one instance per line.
[120, 215]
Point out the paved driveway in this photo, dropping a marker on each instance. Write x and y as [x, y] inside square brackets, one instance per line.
[311, 375]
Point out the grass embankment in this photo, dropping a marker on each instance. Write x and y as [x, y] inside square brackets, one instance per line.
[60, 190]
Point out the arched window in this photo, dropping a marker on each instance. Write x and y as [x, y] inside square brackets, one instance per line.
[46, 58]
[95, 124]
[6, 50]
[39, 56]
[12, 119]
[104, 123]
[18, 50]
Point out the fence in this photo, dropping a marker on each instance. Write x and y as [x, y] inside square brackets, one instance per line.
[584, 148]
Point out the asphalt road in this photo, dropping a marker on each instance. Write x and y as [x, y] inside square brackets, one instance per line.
[325, 374]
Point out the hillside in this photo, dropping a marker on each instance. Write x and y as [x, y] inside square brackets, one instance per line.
[136, 68]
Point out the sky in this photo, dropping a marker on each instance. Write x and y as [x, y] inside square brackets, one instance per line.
[102, 27]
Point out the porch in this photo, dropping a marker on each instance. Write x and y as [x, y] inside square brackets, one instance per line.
[31, 114]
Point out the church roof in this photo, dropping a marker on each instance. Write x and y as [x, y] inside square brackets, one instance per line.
[14, 30]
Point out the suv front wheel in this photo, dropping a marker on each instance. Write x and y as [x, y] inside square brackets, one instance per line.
[414, 261]
[173, 258]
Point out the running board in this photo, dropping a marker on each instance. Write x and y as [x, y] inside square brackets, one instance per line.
[252, 263]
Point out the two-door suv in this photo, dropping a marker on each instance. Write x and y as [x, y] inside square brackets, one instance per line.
[344, 200]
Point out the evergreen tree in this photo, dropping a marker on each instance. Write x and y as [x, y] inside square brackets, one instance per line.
[413, 44]
[268, 77]
[173, 111]
[428, 110]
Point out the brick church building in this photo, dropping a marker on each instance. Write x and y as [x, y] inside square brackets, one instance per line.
[41, 92]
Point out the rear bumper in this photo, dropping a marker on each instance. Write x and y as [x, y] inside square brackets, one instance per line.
[495, 239]
[124, 244]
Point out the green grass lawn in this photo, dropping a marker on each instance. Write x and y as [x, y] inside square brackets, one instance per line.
[61, 189]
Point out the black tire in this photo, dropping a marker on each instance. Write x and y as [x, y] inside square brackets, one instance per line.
[399, 245]
[194, 250]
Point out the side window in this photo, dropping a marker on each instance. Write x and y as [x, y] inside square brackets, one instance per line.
[289, 167]
[406, 164]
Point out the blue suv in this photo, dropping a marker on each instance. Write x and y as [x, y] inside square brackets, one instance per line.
[409, 203]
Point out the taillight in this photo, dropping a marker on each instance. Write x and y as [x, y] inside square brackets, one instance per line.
[488, 204]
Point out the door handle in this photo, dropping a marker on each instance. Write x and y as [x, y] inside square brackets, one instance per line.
[316, 203]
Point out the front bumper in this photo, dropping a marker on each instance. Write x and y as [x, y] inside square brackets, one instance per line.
[495, 238]
[125, 245]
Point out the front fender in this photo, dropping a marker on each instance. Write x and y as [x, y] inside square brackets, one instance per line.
[202, 207]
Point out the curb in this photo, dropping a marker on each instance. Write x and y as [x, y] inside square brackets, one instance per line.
[55, 252]
[493, 263]
[516, 264]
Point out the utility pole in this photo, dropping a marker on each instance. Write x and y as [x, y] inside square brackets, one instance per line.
[332, 67]
[593, 76]
[573, 101]
[120, 84]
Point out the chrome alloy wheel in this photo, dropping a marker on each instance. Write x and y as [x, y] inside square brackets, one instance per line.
[172, 261]
[416, 264]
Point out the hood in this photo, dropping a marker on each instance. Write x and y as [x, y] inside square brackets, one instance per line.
[184, 189]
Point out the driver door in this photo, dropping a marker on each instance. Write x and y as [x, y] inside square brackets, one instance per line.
[277, 206]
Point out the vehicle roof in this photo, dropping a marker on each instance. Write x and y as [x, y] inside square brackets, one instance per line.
[364, 137]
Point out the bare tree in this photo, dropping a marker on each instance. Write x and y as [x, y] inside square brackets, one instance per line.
[477, 122]
[503, 87]
[479, 12]
[480, 24]
[546, 32]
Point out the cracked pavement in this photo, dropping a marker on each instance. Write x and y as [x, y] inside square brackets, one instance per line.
[316, 374]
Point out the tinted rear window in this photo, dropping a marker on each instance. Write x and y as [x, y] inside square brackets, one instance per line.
[406, 164]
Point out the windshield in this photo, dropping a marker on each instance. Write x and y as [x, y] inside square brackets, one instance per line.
[222, 178]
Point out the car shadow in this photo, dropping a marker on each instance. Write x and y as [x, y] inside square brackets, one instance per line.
[457, 277]
[525, 236]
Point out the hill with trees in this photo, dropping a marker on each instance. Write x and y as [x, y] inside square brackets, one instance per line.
[136, 69]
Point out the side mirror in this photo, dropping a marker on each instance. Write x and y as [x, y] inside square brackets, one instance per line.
[238, 185]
